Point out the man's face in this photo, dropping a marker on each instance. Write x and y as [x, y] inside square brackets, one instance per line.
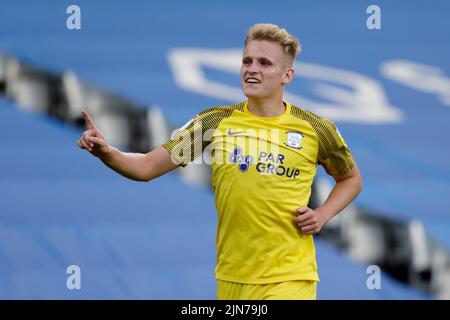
[265, 69]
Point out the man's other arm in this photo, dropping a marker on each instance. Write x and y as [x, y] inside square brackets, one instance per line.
[344, 192]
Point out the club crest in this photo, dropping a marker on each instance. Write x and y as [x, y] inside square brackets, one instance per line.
[294, 139]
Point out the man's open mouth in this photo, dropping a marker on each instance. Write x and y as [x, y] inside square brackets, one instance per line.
[252, 80]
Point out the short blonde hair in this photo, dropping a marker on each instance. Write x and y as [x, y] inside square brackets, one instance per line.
[272, 32]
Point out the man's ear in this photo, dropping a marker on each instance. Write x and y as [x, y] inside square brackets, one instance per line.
[288, 75]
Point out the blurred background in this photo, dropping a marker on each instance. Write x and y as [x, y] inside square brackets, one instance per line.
[144, 68]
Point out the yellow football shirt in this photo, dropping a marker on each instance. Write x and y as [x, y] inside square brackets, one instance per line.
[262, 171]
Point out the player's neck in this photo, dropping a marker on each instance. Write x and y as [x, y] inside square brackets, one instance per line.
[266, 107]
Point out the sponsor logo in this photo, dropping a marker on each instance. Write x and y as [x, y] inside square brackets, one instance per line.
[269, 163]
[243, 161]
[232, 133]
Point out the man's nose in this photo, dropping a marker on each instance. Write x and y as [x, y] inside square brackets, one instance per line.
[252, 69]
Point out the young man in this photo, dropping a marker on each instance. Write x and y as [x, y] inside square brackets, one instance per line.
[264, 153]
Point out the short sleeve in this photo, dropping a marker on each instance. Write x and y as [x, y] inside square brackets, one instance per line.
[334, 154]
[188, 142]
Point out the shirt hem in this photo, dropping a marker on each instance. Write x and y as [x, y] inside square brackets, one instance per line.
[301, 276]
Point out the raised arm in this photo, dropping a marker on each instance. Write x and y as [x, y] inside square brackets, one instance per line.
[135, 166]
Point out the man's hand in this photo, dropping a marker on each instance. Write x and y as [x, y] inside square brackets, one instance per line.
[309, 221]
[92, 139]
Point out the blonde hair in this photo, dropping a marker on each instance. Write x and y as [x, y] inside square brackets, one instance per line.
[272, 32]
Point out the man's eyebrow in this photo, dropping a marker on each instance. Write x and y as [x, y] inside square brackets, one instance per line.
[257, 58]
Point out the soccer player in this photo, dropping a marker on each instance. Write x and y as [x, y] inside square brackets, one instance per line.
[264, 153]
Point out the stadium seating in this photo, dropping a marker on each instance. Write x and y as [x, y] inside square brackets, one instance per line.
[125, 52]
[131, 240]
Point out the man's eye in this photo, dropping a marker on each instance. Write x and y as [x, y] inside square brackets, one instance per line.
[246, 61]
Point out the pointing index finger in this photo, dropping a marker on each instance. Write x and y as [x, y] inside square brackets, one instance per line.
[87, 118]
